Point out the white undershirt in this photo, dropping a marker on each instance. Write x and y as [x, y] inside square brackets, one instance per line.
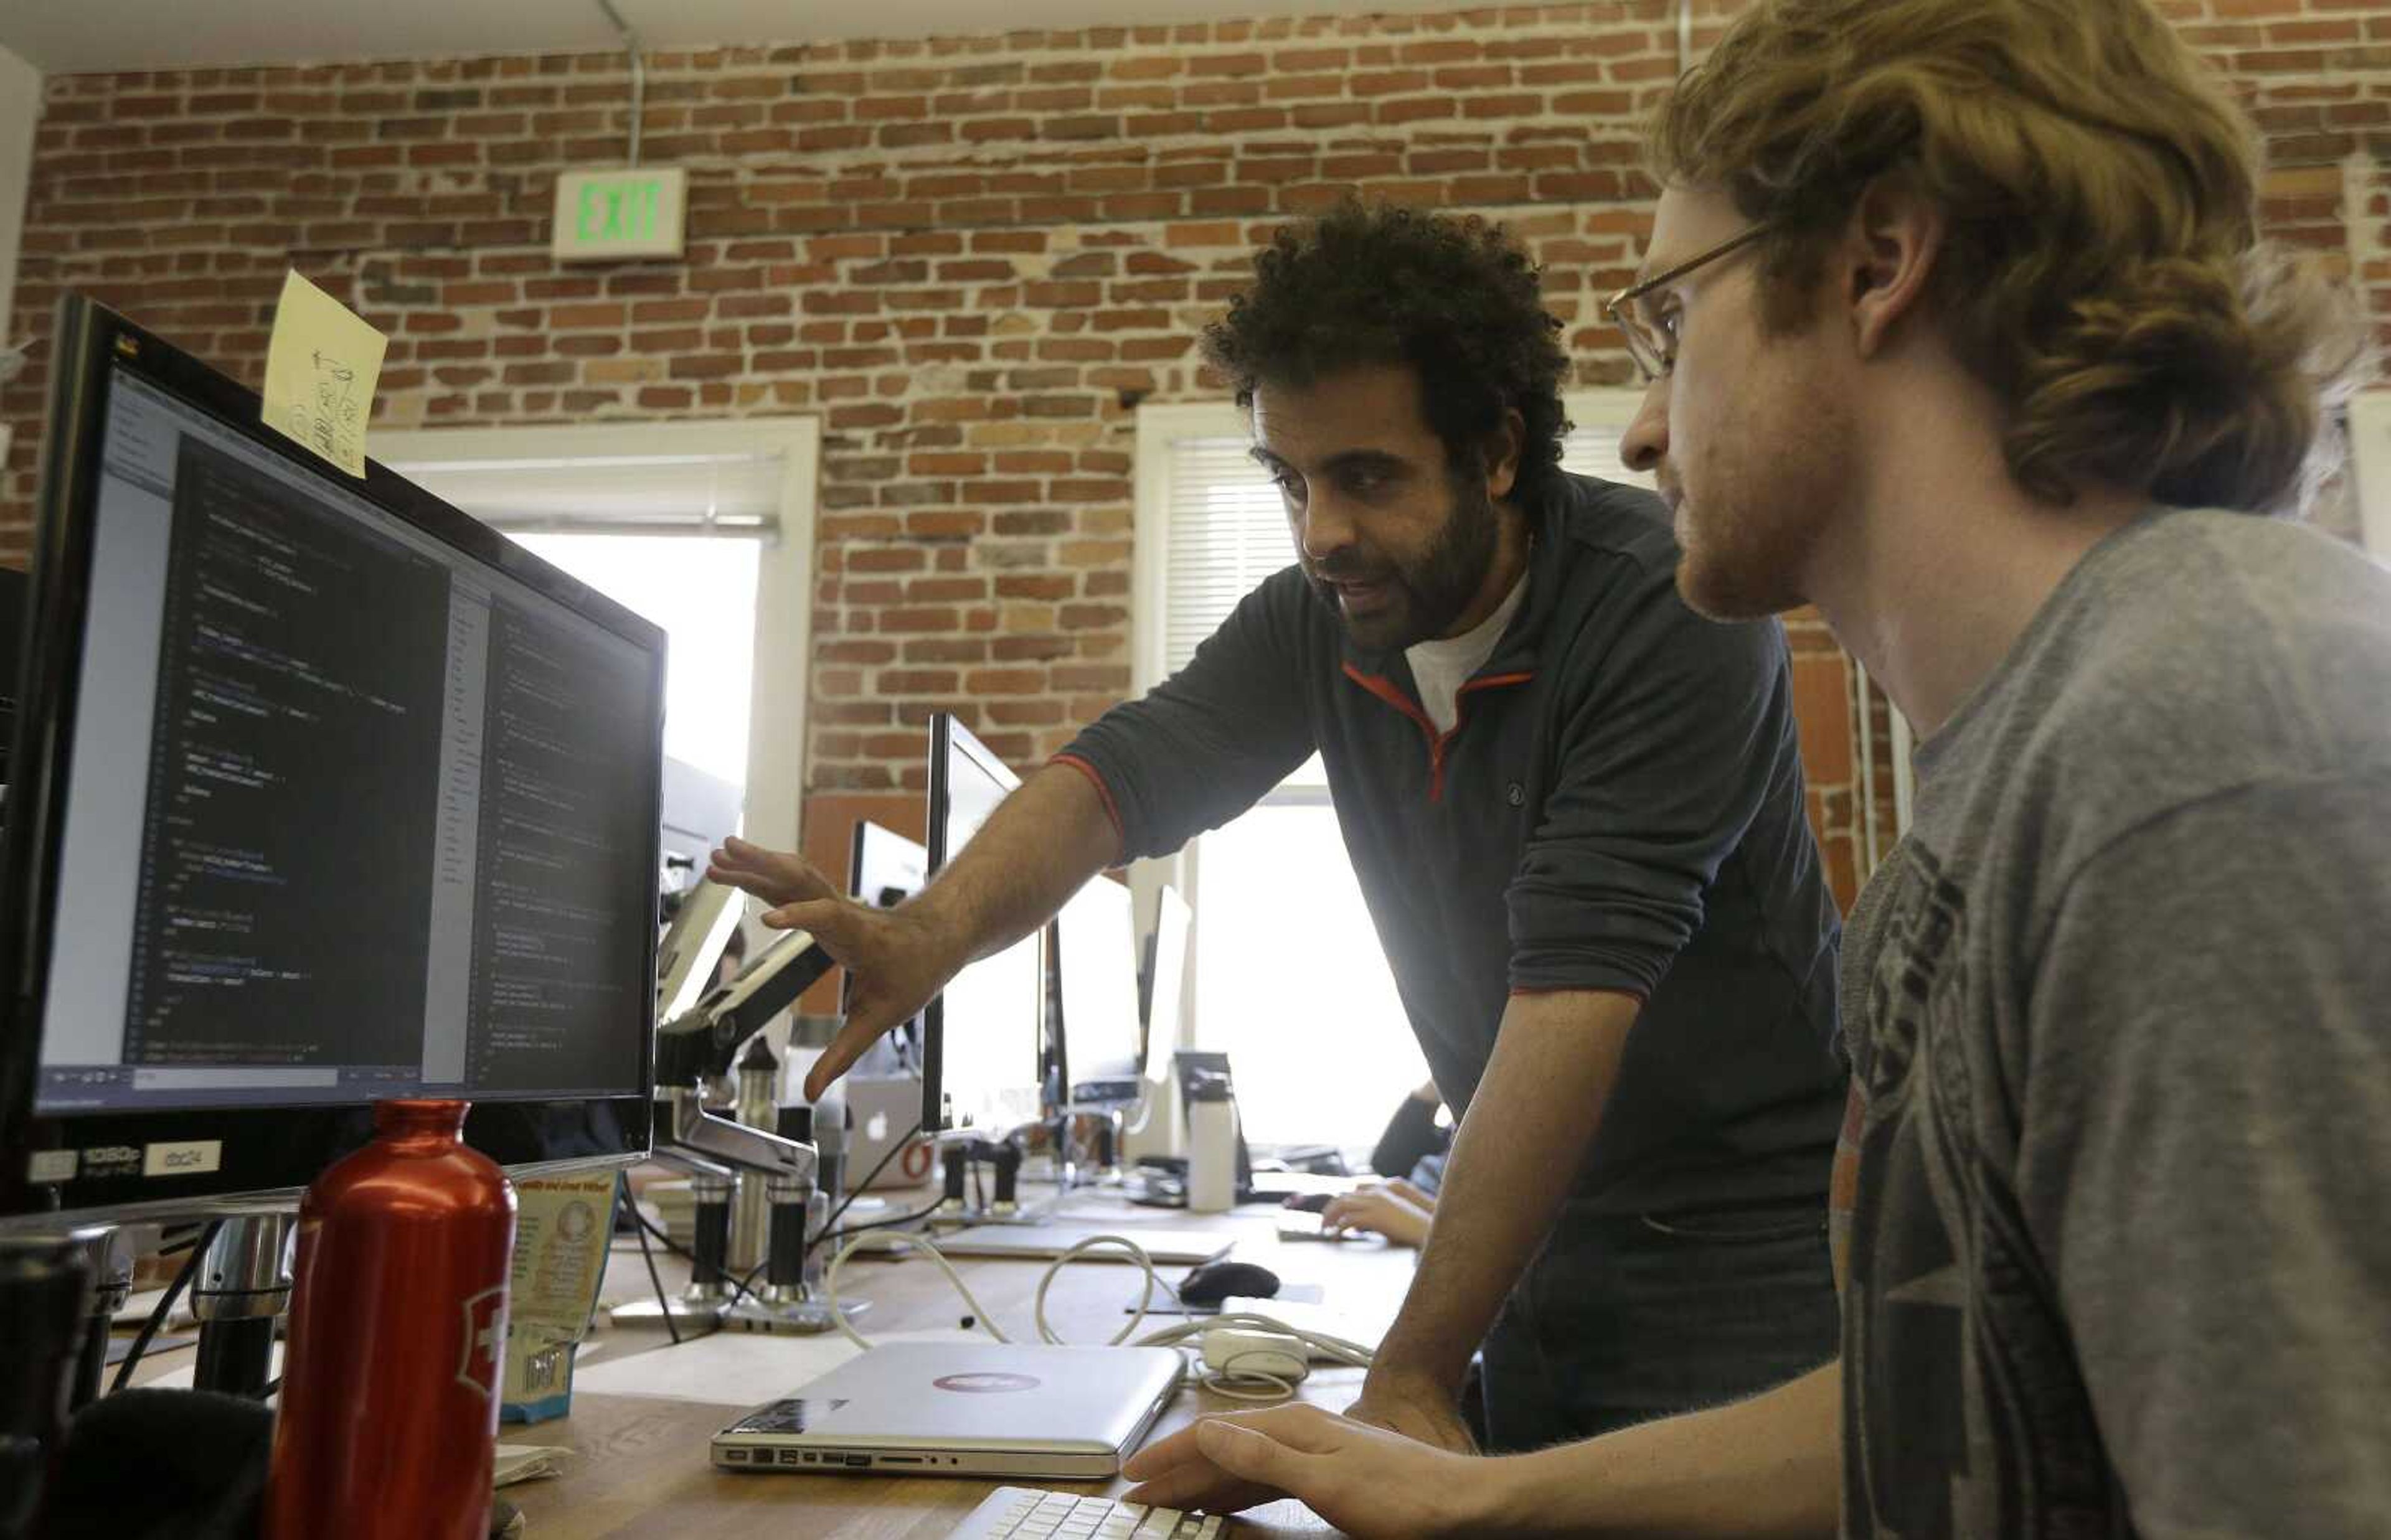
[1441, 668]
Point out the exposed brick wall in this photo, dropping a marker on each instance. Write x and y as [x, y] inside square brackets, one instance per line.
[969, 256]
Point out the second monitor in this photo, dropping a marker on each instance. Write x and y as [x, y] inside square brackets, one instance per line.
[883, 869]
[979, 1047]
[1096, 1034]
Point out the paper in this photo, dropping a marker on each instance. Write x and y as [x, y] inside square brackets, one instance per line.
[139, 1308]
[527, 1462]
[320, 371]
[736, 1368]
[733, 1369]
[560, 1230]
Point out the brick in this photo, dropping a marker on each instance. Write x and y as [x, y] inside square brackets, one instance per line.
[1216, 66]
[1005, 681]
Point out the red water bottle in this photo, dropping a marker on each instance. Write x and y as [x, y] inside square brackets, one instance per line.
[399, 1331]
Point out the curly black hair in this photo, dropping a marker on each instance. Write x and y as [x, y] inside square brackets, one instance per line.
[1456, 299]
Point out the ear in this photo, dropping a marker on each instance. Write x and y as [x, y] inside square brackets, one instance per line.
[1895, 240]
[1502, 450]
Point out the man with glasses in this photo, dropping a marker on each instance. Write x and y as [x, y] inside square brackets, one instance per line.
[1962, 330]
[1576, 813]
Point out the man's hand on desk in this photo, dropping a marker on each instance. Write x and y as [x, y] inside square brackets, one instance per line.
[895, 959]
[1369, 1482]
[1414, 1407]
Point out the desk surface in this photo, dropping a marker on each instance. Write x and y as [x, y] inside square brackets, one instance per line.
[642, 1468]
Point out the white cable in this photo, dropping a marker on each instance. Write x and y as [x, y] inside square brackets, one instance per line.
[1337, 1349]
[1144, 1300]
[1241, 1385]
[889, 1241]
[1248, 1384]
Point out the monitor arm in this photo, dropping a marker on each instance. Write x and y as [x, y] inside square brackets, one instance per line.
[705, 1040]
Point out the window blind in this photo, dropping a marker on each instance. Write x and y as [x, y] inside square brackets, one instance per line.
[1228, 529]
[1228, 532]
[1592, 449]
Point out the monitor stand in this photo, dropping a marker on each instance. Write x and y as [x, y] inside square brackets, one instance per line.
[242, 1289]
[790, 1302]
[1004, 1159]
[708, 1298]
[1104, 1170]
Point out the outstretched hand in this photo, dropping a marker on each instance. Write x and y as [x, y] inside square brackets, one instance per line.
[895, 959]
[779, 877]
[1369, 1482]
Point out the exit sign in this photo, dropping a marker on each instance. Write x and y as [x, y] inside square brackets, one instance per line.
[606, 215]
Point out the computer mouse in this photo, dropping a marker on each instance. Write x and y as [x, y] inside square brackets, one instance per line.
[1310, 1202]
[1216, 1281]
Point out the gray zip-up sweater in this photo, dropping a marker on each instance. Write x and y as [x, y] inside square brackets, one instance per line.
[1618, 807]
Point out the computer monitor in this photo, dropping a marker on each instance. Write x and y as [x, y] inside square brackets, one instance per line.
[699, 810]
[1167, 979]
[1095, 1034]
[980, 1037]
[883, 869]
[700, 918]
[325, 793]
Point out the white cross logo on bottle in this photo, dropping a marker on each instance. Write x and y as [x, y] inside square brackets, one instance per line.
[485, 1334]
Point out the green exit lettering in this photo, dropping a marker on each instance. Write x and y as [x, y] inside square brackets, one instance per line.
[618, 211]
[617, 214]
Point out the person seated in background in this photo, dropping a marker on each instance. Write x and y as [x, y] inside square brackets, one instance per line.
[1960, 327]
[1410, 1155]
[1417, 1132]
[1397, 1210]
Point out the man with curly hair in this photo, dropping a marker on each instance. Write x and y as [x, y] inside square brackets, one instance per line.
[1960, 327]
[1576, 812]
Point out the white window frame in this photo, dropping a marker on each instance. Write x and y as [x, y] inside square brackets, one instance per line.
[1160, 429]
[2369, 459]
[776, 740]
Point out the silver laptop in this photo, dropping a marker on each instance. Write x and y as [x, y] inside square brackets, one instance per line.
[963, 1410]
[1046, 1241]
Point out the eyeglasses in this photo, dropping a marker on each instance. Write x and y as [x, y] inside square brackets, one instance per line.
[1652, 339]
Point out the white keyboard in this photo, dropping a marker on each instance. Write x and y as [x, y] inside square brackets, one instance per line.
[1019, 1513]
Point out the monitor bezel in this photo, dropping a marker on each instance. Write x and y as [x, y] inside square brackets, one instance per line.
[262, 1154]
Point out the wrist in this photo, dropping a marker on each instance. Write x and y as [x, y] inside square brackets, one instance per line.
[1494, 1500]
[1409, 1381]
[946, 936]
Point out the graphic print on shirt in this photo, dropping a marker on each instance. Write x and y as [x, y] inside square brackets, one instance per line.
[1964, 1414]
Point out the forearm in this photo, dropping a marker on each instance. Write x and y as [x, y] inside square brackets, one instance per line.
[1534, 1114]
[1766, 1469]
[1035, 851]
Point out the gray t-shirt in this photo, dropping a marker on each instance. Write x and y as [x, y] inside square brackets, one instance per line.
[2121, 1004]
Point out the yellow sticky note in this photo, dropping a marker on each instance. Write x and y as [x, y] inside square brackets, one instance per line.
[320, 371]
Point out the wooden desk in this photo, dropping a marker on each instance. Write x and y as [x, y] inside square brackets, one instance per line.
[643, 1468]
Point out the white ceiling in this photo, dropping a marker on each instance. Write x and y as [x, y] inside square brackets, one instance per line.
[71, 36]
